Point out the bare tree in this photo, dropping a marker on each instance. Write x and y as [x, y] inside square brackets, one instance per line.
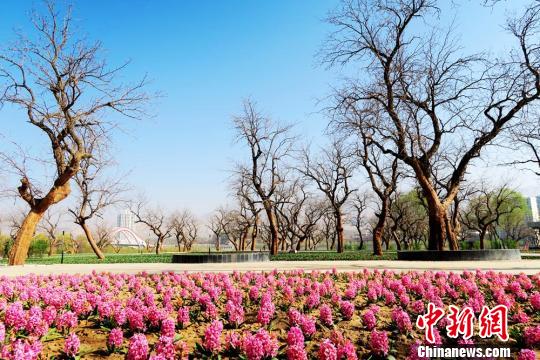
[408, 224]
[155, 220]
[426, 104]
[269, 143]
[359, 206]
[16, 220]
[527, 134]
[103, 237]
[327, 231]
[306, 226]
[331, 173]
[383, 175]
[96, 193]
[250, 208]
[185, 229]
[485, 211]
[215, 225]
[233, 225]
[65, 90]
[50, 225]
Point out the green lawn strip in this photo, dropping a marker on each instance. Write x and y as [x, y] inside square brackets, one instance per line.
[329, 256]
[166, 257]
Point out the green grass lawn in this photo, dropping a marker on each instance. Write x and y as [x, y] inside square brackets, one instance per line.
[167, 257]
[332, 255]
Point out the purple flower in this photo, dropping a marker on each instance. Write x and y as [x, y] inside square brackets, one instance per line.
[260, 345]
[327, 350]
[526, 354]
[168, 327]
[307, 324]
[66, 321]
[296, 352]
[379, 342]
[369, 320]
[267, 309]
[183, 316]
[402, 320]
[347, 351]
[295, 336]
[535, 300]
[71, 345]
[347, 309]
[165, 347]
[14, 316]
[116, 339]
[212, 336]
[531, 335]
[2, 332]
[325, 314]
[138, 348]
[235, 313]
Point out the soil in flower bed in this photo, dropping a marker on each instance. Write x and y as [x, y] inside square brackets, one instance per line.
[284, 315]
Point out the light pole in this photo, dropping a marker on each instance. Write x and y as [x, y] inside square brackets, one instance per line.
[62, 245]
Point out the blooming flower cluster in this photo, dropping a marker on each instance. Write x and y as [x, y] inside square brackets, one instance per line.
[294, 315]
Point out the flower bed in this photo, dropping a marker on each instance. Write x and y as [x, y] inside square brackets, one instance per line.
[294, 315]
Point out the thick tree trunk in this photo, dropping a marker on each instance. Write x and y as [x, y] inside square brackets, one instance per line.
[482, 238]
[440, 227]
[158, 246]
[274, 234]
[19, 251]
[244, 239]
[377, 239]
[91, 241]
[340, 232]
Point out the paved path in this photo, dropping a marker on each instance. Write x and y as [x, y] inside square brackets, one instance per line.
[526, 266]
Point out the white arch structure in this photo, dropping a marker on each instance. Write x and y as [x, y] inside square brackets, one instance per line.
[121, 236]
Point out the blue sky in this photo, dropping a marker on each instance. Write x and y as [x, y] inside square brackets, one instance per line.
[206, 56]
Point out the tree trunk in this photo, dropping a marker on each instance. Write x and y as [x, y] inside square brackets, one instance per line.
[396, 240]
[244, 239]
[482, 237]
[274, 234]
[254, 232]
[179, 244]
[218, 243]
[19, 251]
[378, 230]
[158, 245]
[51, 243]
[91, 241]
[340, 232]
[440, 228]
[377, 239]
[361, 245]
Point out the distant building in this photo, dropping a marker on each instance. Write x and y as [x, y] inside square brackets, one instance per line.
[533, 202]
[125, 220]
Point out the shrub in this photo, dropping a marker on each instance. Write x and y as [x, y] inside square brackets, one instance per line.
[38, 246]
